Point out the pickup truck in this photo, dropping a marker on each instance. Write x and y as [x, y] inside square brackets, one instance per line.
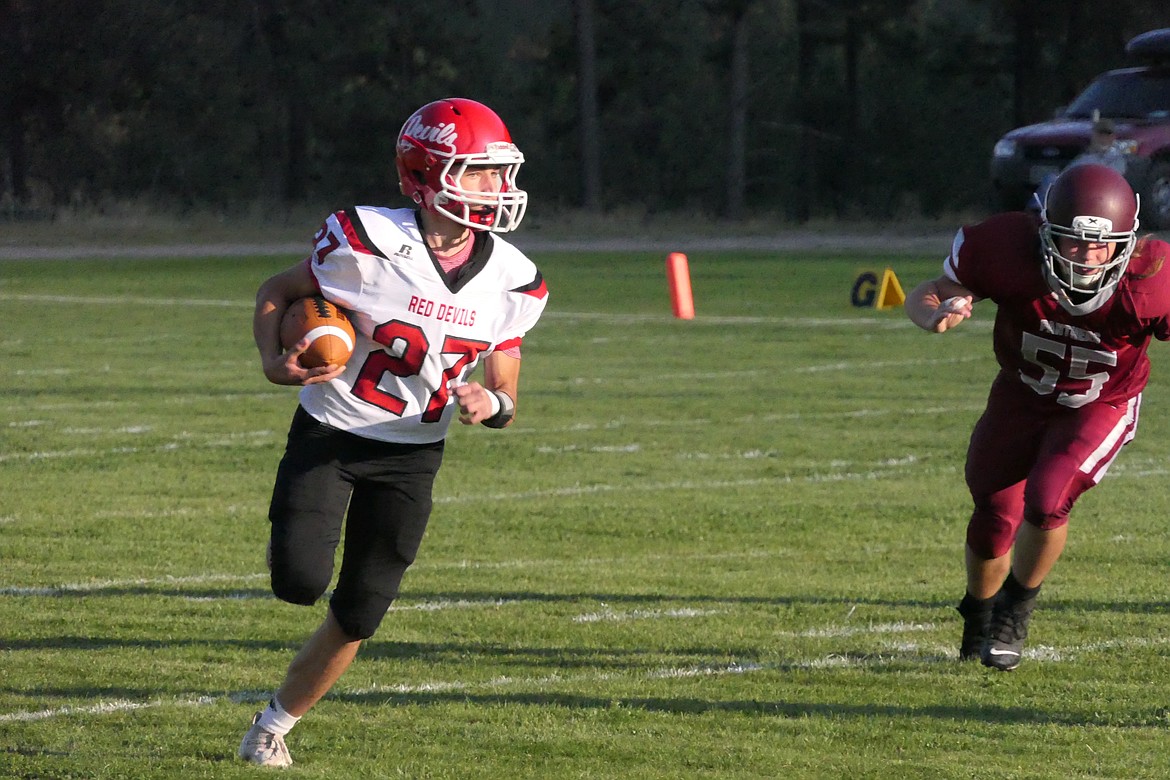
[1136, 99]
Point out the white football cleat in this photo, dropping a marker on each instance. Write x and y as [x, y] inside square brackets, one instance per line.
[264, 748]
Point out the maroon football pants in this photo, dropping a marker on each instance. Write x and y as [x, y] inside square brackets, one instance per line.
[1030, 460]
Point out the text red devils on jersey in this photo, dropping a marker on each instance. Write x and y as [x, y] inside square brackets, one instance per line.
[418, 333]
[1065, 359]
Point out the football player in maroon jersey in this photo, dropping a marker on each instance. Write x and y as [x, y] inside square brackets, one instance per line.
[432, 292]
[1079, 297]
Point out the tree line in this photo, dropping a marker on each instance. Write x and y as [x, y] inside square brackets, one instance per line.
[724, 108]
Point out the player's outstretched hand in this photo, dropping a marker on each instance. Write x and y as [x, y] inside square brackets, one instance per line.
[286, 368]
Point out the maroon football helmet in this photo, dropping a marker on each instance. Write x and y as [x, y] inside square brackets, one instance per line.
[1088, 202]
[437, 145]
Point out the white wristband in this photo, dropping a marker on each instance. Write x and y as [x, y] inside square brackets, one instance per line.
[495, 403]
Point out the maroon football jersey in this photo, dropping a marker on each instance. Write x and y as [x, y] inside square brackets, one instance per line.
[1065, 359]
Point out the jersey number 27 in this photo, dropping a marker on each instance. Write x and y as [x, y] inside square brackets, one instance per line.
[406, 349]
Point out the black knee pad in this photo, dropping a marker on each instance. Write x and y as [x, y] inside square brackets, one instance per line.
[359, 618]
[298, 587]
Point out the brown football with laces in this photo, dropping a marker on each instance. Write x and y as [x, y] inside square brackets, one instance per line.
[328, 328]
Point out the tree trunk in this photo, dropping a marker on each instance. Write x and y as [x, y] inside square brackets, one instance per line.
[737, 136]
[1026, 64]
[15, 152]
[587, 105]
[805, 47]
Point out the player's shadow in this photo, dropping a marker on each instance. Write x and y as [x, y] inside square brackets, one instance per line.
[682, 705]
[595, 599]
[552, 657]
[989, 713]
[411, 599]
[121, 591]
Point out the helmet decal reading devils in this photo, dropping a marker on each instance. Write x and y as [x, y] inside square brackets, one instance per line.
[440, 152]
[444, 135]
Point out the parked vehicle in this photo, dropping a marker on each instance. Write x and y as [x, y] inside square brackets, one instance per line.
[1136, 99]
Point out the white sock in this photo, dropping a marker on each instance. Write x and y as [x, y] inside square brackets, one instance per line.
[275, 719]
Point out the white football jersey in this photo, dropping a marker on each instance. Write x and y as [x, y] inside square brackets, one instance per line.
[418, 333]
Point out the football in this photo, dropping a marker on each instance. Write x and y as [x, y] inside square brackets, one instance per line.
[329, 330]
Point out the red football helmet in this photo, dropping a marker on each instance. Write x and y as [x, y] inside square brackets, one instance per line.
[437, 145]
[1088, 202]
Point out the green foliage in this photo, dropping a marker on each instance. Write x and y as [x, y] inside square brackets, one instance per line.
[726, 547]
[222, 105]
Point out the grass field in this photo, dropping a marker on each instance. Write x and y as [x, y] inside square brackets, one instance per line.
[727, 548]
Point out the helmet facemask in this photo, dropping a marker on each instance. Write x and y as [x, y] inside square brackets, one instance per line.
[1088, 279]
[436, 148]
[1079, 286]
[499, 212]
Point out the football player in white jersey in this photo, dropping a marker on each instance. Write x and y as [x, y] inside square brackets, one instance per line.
[432, 292]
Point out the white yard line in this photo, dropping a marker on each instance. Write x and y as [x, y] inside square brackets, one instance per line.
[123, 300]
[847, 365]
[882, 470]
[894, 320]
[621, 616]
[174, 445]
[123, 705]
[750, 419]
[835, 631]
[101, 708]
[895, 653]
[135, 582]
[535, 564]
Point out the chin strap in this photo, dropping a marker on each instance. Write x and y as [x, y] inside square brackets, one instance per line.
[504, 414]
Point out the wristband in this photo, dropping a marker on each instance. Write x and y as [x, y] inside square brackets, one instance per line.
[504, 409]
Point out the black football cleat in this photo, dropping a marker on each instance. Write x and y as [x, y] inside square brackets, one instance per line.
[1009, 629]
[976, 626]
